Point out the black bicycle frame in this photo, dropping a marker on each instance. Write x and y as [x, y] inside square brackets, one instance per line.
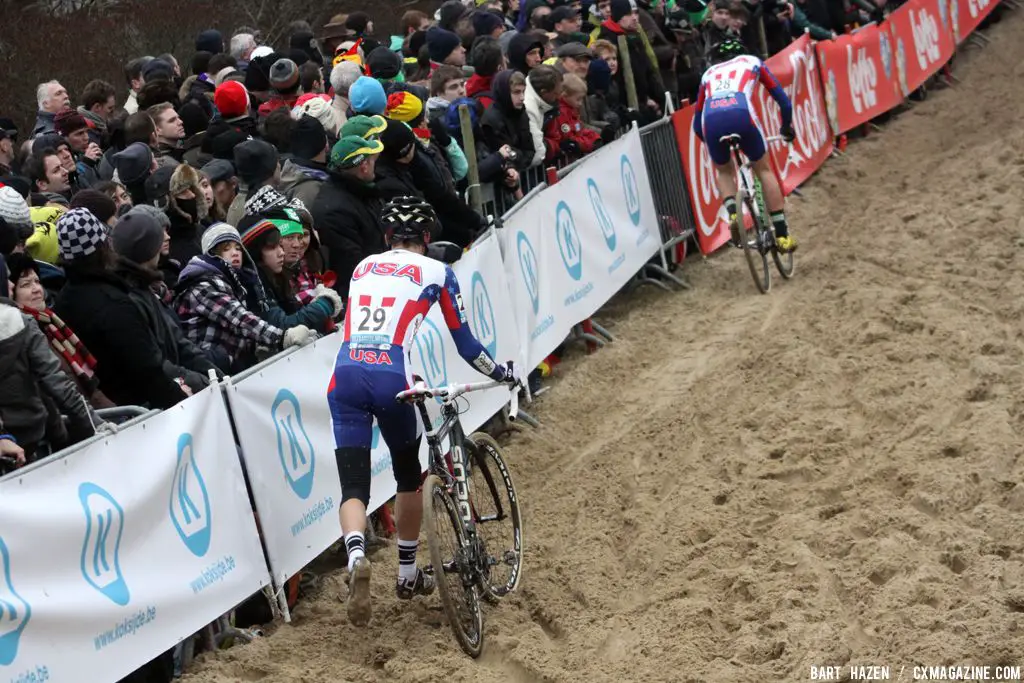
[458, 478]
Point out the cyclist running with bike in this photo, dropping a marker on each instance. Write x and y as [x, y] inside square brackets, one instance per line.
[389, 296]
[725, 107]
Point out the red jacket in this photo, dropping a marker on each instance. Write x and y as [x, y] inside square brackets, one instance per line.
[276, 102]
[568, 126]
[480, 84]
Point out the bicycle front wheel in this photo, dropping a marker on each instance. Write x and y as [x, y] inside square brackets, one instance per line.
[752, 241]
[784, 262]
[496, 514]
[450, 557]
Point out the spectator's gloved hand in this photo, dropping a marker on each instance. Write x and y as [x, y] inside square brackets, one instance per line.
[607, 134]
[445, 252]
[106, 428]
[439, 132]
[570, 147]
[300, 335]
[323, 292]
[787, 133]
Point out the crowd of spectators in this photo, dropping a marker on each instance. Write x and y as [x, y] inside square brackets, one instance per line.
[214, 215]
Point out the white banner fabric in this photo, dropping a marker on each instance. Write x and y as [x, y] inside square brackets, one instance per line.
[572, 247]
[114, 553]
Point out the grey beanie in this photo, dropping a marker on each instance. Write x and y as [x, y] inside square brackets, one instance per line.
[217, 234]
[256, 161]
[133, 162]
[138, 236]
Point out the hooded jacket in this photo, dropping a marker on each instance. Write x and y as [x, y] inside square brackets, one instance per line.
[539, 112]
[645, 76]
[518, 47]
[302, 179]
[503, 124]
[32, 384]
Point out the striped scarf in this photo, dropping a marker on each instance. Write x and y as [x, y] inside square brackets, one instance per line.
[65, 343]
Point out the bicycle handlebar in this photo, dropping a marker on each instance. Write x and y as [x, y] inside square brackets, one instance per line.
[420, 392]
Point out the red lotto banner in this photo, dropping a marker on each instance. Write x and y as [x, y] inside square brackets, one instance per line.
[708, 212]
[859, 77]
[922, 41]
[797, 70]
[966, 15]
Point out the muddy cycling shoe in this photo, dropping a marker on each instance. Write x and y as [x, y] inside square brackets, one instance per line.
[734, 231]
[359, 609]
[423, 584]
[785, 245]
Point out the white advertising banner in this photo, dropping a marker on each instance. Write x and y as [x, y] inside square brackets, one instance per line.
[114, 553]
[571, 248]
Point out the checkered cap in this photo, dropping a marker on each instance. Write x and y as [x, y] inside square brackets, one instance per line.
[79, 233]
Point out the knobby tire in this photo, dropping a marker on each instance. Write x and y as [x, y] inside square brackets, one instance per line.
[468, 629]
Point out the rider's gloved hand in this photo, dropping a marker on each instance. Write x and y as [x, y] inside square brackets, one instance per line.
[787, 133]
[510, 373]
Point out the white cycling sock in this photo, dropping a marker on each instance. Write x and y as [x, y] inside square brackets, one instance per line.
[355, 545]
[407, 560]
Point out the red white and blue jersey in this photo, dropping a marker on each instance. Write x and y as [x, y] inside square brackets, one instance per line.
[389, 296]
[730, 86]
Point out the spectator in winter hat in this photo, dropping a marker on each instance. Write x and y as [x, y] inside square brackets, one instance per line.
[257, 76]
[489, 24]
[210, 302]
[361, 26]
[257, 164]
[444, 47]
[138, 239]
[574, 58]
[211, 41]
[319, 107]
[224, 182]
[342, 77]
[158, 70]
[232, 101]
[565, 22]
[51, 97]
[347, 208]
[134, 165]
[394, 171]
[47, 173]
[450, 13]
[404, 107]
[507, 127]
[525, 52]
[366, 96]
[625, 21]
[99, 204]
[178, 193]
[195, 122]
[304, 173]
[305, 41]
[384, 64]
[15, 212]
[366, 127]
[96, 303]
[42, 241]
[284, 81]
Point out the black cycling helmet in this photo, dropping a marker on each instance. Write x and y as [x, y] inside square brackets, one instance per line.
[726, 49]
[408, 218]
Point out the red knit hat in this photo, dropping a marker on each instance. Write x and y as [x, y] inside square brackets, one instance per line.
[231, 99]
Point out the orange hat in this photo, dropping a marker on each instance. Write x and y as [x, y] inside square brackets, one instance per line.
[404, 106]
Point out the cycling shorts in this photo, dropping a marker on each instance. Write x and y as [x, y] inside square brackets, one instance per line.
[361, 391]
[730, 116]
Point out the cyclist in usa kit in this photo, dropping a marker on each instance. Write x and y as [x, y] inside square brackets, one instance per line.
[725, 107]
[389, 296]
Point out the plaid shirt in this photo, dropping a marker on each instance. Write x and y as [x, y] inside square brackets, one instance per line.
[304, 281]
[213, 317]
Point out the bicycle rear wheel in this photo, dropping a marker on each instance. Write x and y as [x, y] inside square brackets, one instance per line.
[753, 241]
[450, 557]
[496, 514]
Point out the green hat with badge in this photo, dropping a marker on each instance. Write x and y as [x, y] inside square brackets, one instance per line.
[365, 127]
[351, 150]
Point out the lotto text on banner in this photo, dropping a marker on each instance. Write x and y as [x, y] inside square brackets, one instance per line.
[859, 77]
[796, 68]
[143, 539]
[922, 40]
[573, 246]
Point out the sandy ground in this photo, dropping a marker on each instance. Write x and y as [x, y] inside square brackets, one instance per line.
[744, 486]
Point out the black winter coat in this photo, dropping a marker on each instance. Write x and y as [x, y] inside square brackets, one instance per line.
[644, 75]
[129, 362]
[347, 217]
[181, 357]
